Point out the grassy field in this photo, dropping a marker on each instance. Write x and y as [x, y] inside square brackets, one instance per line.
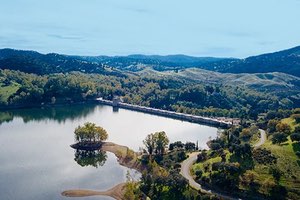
[287, 162]
[6, 91]
[200, 166]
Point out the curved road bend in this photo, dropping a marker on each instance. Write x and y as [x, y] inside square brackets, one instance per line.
[262, 139]
[187, 164]
[185, 171]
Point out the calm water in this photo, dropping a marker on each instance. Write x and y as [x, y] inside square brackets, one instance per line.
[38, 163]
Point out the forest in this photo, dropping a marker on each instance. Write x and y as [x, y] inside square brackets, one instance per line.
[19, 89]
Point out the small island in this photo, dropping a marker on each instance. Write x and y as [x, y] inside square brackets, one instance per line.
[89, 137]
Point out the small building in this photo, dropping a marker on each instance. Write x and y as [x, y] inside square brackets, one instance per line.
[116, 101]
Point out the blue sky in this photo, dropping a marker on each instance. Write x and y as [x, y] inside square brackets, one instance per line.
[231, 28]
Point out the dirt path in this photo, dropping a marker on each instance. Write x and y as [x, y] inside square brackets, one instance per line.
[262, 139]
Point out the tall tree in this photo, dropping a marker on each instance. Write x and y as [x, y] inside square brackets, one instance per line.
[149, 142]
[162, 142]
[156, 143]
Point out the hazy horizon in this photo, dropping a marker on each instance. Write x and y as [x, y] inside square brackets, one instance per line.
[118, 27]
[135, 54]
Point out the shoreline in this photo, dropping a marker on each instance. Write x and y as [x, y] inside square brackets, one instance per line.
[115, 192]
[126, 157]
[47, 105]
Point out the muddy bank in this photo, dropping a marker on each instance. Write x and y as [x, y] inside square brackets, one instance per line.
[116, 192]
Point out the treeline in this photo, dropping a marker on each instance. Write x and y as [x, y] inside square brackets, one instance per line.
[158, 92]
[34, 62]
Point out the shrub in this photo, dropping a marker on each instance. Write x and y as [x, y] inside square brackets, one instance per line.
[272, 125]
[206, 167]
[283, 128]
[213, 154]
[295, 137]
[205, 179]
[201, 156]
[278, 192]
[198, 173]
[279, 138]
[276, 173]
[216, 166]
[263, 156]
[245, 134]
[296, 117]
[180, 156]
[190, 146]
[145, 159]
[177, 166]
[176, 145]
[296, 111]
[215, 146]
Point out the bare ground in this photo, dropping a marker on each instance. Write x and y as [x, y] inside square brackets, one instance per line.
[116, 192]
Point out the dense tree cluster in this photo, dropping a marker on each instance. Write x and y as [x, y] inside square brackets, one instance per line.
[156, 143]
[90, 133]
[161, 179]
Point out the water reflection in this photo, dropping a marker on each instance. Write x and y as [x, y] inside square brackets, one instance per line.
[115, 109]
[59, 113]
[90, 158]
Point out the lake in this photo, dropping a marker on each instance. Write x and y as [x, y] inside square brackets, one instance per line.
[37, 161]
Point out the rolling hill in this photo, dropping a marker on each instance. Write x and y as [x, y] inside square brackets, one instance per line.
[287, 61]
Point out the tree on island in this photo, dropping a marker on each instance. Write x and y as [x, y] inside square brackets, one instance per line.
[90, 133]
[89, 139]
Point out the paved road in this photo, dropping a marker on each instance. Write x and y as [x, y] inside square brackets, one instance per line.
[185, 172]
[187, 164]
[262, 139]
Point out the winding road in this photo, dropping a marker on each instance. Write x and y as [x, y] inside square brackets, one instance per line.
[262, 139]
[185, 171]
[187, 164]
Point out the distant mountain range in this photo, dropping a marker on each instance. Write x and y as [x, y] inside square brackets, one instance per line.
[287, 61]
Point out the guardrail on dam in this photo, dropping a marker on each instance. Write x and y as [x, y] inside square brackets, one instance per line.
[170, 114]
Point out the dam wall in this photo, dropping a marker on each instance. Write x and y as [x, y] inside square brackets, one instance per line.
[170, 114]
